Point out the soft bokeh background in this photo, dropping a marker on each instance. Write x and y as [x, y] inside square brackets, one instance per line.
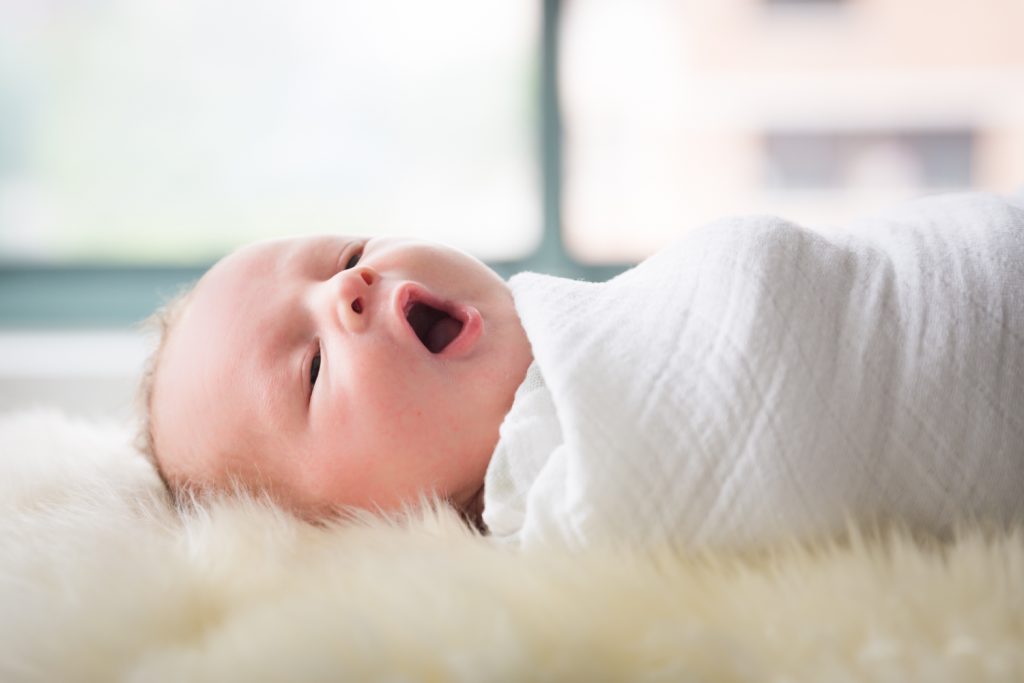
[172, 130]
[679, 111]
[141, 139]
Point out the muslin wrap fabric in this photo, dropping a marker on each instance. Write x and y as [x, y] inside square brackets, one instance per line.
[758, 380]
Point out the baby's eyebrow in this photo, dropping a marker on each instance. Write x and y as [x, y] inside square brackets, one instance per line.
[266, 388]
[332, 253]
[283, 393]
[278, 374]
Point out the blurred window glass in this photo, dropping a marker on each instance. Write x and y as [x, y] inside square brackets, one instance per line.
[169, 131]
[676, 113]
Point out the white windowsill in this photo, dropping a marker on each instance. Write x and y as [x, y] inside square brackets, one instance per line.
[88, 373]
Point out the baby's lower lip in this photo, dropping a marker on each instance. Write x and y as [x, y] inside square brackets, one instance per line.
[472, 327]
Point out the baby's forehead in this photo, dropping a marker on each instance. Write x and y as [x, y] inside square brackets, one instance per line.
[252, 271]
[281, 253]
[239, 302]
[240, 308]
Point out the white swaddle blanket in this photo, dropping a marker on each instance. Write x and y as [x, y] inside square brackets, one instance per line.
[758, 381]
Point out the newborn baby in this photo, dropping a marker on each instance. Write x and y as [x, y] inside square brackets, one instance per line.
[752, 382]
[335, 371]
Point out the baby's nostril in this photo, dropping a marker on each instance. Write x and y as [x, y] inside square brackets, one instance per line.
[357, 305]
[367, 278]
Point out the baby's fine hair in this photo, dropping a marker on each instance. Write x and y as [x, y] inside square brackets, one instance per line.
[159, 324]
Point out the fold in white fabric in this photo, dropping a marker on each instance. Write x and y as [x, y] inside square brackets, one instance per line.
[758, 380]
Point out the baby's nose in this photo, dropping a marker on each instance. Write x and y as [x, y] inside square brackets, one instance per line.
[356, 288]
[368, 278]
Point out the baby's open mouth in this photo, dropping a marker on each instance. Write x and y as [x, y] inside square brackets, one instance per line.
[435, 328]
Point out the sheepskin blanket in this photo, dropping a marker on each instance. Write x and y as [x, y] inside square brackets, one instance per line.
[100, 580]
[758, 380]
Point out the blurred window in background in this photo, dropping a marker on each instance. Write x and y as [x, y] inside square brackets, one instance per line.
[676, 113]
[142, 139]
[841, 161]
[169, 131]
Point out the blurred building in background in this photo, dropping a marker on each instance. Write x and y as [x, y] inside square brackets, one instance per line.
[681, 111]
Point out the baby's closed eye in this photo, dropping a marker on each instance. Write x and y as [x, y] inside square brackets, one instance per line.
[314, 369]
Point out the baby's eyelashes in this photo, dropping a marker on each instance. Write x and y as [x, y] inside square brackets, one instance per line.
[314, 369]
[353, 260]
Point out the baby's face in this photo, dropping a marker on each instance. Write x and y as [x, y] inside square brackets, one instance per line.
[333, 371]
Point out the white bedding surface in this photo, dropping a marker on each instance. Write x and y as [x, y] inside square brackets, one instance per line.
[100, 580]
[758, 381]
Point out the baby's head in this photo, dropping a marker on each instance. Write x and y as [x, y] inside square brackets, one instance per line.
[333, 372]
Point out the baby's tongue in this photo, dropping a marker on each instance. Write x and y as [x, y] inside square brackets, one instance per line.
[442, 333]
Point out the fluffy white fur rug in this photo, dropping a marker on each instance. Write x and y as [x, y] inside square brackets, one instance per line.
[101, 580]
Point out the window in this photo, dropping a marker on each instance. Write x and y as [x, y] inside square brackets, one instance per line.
[676, 114]
[140, 140]
[142, 132]
[916, 160]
